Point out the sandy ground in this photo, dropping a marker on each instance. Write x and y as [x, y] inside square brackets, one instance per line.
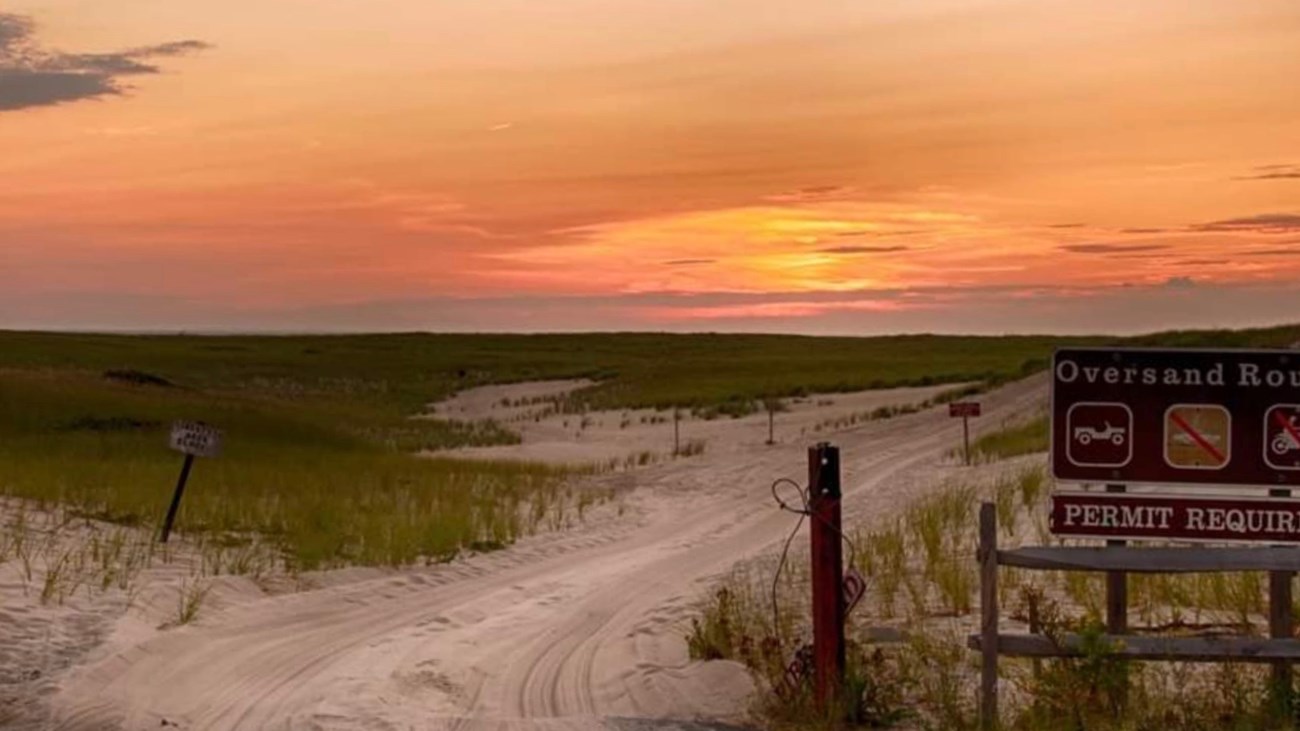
[580, 629]
[633, 437]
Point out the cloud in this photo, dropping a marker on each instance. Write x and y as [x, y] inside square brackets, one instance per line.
[1262, 223]
[1067, 225]
[1045, 308]
[1273, 172]
[1111, 248]
[862, 249]
[810, 194]
[1180, 282]
[1272, 252]
[34, 77]
[1143, 230]
[875, 233]
[689, 262]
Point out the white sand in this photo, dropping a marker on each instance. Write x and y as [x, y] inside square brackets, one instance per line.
[630, 437]
[567, 630]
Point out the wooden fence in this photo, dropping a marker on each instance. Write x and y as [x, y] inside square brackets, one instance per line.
[1280, 648]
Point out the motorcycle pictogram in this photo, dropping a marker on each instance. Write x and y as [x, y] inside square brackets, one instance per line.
[1285, 441]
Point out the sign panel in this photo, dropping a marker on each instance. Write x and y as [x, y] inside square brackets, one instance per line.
[1110, 515]
[964, 408]
[1196, 417]
[1282, 437]
[196, 438]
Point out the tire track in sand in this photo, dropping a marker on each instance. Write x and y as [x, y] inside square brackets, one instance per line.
[566, 629]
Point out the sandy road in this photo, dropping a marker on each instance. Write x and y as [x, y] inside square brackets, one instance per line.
[564, 631]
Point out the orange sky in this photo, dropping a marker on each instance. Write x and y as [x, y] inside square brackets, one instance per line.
[823, 166]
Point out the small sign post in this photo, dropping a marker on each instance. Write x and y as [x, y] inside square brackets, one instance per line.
[193, 439]
[964, 409]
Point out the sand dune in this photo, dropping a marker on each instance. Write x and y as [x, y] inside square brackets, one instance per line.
[580, 629]
[633, 437]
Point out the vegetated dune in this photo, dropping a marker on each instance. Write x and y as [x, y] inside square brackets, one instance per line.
[630, 438]
[572, 628]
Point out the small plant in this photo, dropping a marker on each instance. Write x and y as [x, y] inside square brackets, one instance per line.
[713, 636]
[1088, 690]
[691, 448]
[190, 600]
[1005, 493]
[887, 552]
[1031, 482]
[941, 681]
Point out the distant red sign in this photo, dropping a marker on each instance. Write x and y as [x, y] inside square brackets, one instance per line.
[964, 408]
[1111, 515]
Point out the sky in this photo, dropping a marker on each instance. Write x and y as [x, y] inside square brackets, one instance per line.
[811, 166]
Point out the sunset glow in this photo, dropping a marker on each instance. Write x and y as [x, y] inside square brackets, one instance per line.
[952, 165]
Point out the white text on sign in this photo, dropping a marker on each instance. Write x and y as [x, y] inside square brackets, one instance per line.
[196, 438]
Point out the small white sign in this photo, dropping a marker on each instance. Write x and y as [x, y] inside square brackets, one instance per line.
[196, 438]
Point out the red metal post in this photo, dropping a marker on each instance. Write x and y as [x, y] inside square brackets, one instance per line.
[827, 571]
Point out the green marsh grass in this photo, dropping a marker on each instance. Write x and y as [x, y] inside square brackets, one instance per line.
[323, 496]
[382, 379]
[1011, 441]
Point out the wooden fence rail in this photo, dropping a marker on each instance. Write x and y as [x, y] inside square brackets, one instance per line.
[1280, 649]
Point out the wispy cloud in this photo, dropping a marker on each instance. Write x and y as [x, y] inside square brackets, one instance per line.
[811, 193]
[878, 233]
[34, 77]
[689, 262]
[1261, 223]
[1272, 252]
[1272, 172]
[1111, 248]
[862, 249]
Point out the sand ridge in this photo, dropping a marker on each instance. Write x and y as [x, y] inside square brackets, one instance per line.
[629, 438]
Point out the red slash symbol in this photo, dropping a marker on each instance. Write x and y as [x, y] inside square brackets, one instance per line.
[1286, 424]
[1201, 441]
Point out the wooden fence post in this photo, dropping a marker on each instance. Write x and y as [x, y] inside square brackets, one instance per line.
[1280, 625]
[988, 558]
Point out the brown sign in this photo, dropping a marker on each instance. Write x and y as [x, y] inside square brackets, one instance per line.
[1133, 415]
[1109, 515]
[964, 408]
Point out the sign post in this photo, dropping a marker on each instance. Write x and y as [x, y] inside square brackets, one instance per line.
[1224, 418]
[827, 572]
[677, 432]
[193, 439]
[964, 409]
